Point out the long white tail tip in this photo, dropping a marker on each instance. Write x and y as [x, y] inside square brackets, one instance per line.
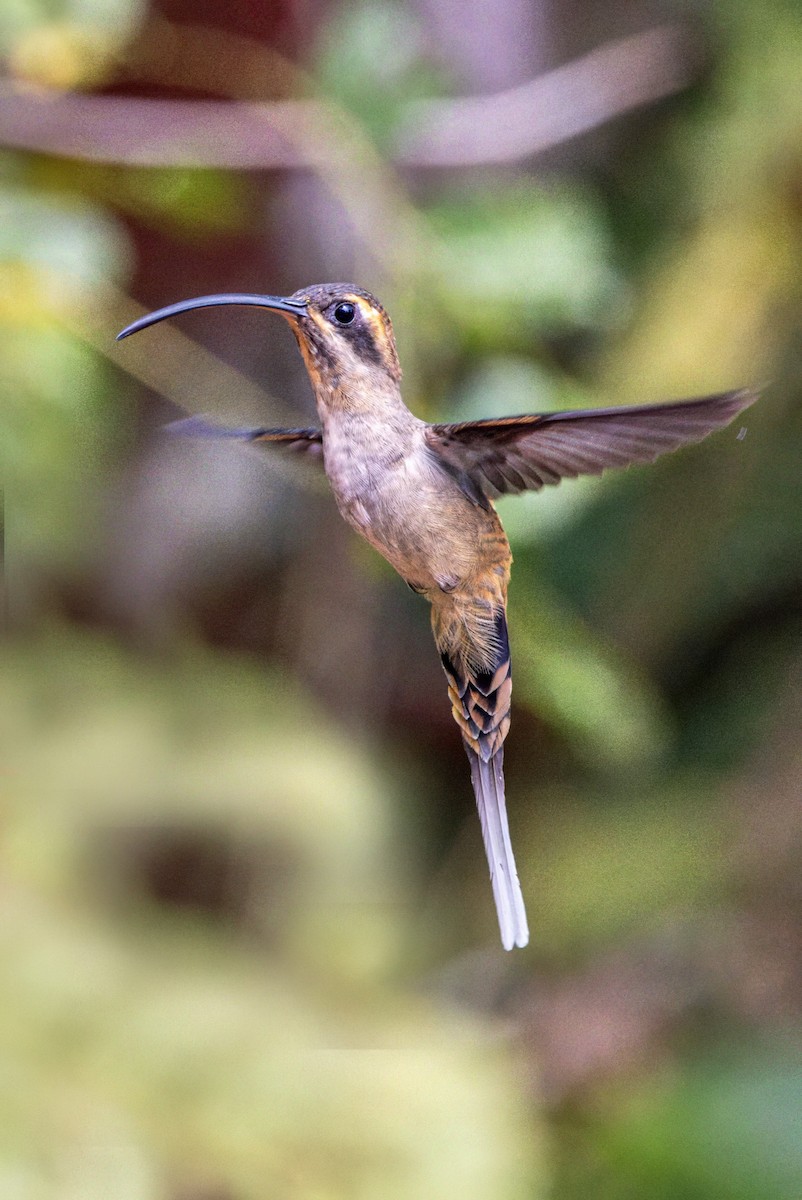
[488, 784]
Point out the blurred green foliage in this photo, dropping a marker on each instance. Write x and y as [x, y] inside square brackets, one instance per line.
[523, 263]
[246, 950]
[726, 1129]
[56, 418]
[372, 58]
[267, 1060]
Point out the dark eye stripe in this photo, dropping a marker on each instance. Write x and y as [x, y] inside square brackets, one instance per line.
[364, 332]
[364, 343]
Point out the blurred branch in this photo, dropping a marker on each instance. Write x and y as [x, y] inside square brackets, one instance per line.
[237, 133]
[555, 107]
[314, 134]
[161, 133]
[286, 134]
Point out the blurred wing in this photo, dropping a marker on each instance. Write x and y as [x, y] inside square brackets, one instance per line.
[513, 454]
[302, 441]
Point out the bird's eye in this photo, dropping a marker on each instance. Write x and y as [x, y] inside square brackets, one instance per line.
[344, 313]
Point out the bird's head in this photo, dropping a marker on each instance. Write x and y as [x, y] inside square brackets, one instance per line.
[344, 333]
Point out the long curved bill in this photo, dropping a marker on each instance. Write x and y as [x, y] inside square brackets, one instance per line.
[295, 308]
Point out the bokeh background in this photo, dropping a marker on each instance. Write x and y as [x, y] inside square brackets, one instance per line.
[248, 943]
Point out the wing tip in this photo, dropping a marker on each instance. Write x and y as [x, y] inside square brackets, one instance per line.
[737, 400]
[198, 427]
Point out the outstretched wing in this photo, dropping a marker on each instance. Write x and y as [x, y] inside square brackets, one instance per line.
[302, 441]
[513, 454]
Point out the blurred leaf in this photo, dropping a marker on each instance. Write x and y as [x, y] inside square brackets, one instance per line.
[725, 1128]
[521, 257]
[750, 125]
[607, 864]
[63, 56]
[191, 204]
[66, 44]
[279, 1065]
[195, 739]
[55, 420]
[64, 236]
[730, 712]
[54, 444]
[371, 59]
[118, 15]
[602, 705]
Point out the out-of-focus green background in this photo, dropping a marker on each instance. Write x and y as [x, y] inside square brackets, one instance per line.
[248, 946]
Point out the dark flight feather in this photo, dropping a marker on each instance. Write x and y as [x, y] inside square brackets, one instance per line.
[302, 441]
[513, 454]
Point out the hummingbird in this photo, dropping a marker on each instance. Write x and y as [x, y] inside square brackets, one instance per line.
[423, 495]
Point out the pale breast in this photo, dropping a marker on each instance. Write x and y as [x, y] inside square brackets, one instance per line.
[405, 505]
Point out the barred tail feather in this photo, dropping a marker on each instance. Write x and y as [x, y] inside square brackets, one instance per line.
[488, 784]
[480, 701]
